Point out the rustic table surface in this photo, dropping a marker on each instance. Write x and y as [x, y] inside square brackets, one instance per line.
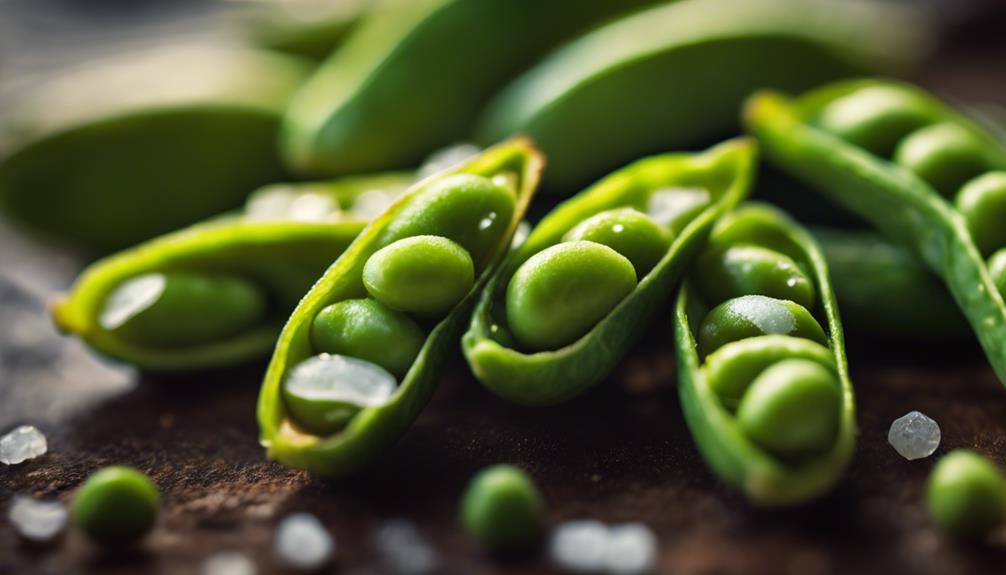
[620, 453]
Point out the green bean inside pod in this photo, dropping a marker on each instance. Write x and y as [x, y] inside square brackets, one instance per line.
[357, 360]
[763, 379]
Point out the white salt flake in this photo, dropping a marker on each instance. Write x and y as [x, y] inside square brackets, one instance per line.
[303, 543]
[131, 298]
[914, 436]
[631, 550]
[23, 443]
[403, 550]
[37, 520]
[229, 563]
[579, 546]
[333, 377]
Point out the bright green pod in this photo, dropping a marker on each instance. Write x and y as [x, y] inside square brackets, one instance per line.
[276, 248]
[369, 330]
[412, 77]
[561, 292]
[357, 441]
[742, 400]
[424, 275]
[630, 233]
[945, 155]
[997, 270]
[116, 506]
[876, 118]
[966, 494]
[755, 315]
[745, 269]
[982, 202]
[673, 76]
[895, 200]
[792, 409]
[145, 144]
[652, 186]
[502, 509]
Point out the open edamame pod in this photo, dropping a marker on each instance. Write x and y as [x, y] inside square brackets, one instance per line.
[330, 413]
[413, 75]
[898, 157]
[673, 76]
[217, 293]
[885, 291]
[119, 152]
[569, 302]
[769, 403]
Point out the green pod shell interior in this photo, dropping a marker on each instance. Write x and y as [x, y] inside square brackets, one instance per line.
[549, 377]
[412, 77]
[765, 479]
[144, 144]
[672, 77]
[283, 257]
[375, 428]
[897, 201]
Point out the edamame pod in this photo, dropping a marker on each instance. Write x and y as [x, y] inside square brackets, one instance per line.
[664, 187]
[673, 76]
[772, 414]
[312, 29]
[268, 256]
[119, 152]
[329, 443]
[414, 74]
[906, 196]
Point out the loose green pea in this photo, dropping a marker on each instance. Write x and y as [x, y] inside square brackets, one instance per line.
[731, 369]
[560, 293]
[182, 308]
[471, 210]
[944, 155]
[721, 274]
[426, 275]
[502, 508]
[369, 330]
[875, 118]
[982, 202]
[754, 315]
[997, 269]
[792, 408]
[116, 506]
[966, 494]
[627, 231]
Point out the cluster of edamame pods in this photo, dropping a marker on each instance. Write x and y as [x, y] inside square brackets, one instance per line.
[363, 286]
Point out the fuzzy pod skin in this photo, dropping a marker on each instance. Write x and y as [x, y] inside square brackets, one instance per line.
[144, 145]
[709, 394]
[673, 76]
[373, 429]
[558, 375]
[900, 203]
[279, 256]
[413, 75]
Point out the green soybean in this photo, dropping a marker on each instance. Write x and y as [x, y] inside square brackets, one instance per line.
[982, 202]
[557, 295]
[502, 509]
[369, 330]
[721, 274]
[627, 231]
[945, 155]
[792, 408]
[426, 275]
[178, 308]
[754, 315]
[875, 118]
[966, 494]
[116, 506]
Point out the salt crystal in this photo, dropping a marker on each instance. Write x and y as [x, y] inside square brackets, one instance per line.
[303, 543]
[914, 435]
[37, 520]
[24, 443]
[631, 550]
[447, 158]
[229, 563]
[403, 550]
[579, 546]
[332, 377]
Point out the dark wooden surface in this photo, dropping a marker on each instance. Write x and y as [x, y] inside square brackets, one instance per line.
[620, 453]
